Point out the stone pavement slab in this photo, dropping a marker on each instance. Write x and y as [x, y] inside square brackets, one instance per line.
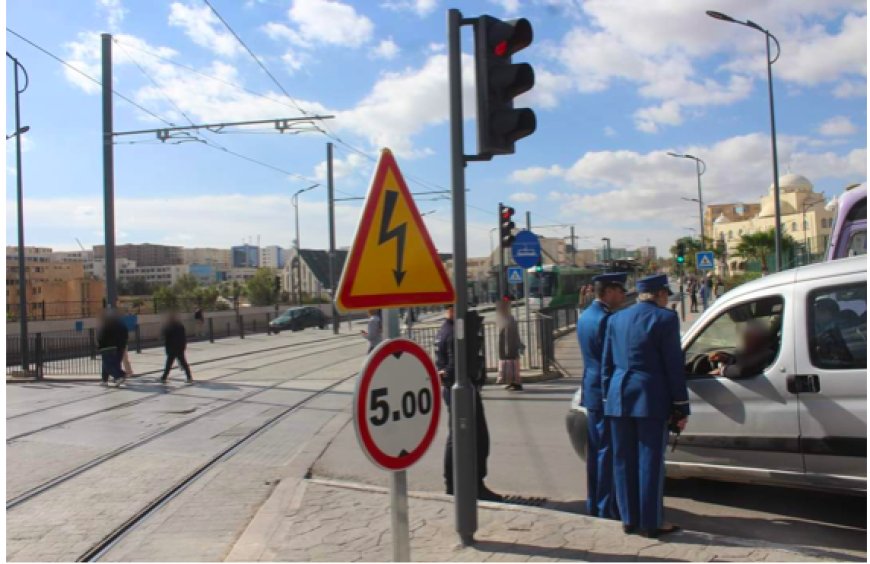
[335, 521]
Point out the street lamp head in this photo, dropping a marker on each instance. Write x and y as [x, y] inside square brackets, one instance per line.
[752, 24]
[672, 154]
[23, 130]
[720, 16]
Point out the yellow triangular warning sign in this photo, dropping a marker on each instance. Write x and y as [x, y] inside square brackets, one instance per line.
[393, 262]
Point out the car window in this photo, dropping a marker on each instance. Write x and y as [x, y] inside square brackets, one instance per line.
[857, 244]
[750, 333]
[838, 327]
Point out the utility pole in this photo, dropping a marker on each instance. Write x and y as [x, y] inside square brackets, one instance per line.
[330, 196]
[573, 248]
[463, 421]
[109, 174]
[24, 339]
[501, 282]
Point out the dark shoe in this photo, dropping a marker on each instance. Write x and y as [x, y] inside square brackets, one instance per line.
[660, 532]
[104, 383]
[629, 529]
[163, 379]
[518, 387]
[486, 494]
[189, 380]
[448, 490]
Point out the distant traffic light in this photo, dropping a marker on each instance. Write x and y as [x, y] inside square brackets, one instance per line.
[499, 81]
[475, 347]
[681, 253]
[539, 267]
[506, 225]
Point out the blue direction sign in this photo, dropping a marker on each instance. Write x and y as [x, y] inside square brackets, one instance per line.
[526, 249]
[704, 260]
[515, 275]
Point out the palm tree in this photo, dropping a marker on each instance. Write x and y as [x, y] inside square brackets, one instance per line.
[759, 245]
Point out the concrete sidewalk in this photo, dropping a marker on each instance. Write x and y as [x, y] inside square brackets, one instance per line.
[323, 521]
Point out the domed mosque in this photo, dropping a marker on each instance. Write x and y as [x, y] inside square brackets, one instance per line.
[803, 216]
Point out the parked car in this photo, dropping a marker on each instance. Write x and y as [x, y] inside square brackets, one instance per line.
[297, 319]
[802, 420]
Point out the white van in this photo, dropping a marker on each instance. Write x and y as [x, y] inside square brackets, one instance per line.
[793, 411]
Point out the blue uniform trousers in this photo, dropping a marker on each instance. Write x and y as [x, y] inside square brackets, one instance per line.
[639, 469]
[600, 501]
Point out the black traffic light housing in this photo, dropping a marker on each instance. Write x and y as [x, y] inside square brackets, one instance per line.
[499, 81]
[681, 253]
[475, 348]
[506, 226]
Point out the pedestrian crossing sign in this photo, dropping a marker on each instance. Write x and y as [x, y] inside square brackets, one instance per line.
[392, 262]
[704, 260]
[515, 275]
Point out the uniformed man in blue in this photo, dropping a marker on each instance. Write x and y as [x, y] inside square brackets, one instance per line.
[609, 296]
[644, 386]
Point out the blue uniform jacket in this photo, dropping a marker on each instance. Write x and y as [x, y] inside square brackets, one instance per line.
[642, 372]
[590, 333]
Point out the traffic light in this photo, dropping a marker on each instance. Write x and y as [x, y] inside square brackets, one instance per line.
[277, 284]
[539, 268]
[506, 225]
[475, 351]
[499, 81]
[681, 253]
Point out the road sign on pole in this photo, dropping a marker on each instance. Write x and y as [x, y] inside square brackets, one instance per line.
[515, 275]
[526, 249]
[704, 260]
[397, 404]
[393, 262]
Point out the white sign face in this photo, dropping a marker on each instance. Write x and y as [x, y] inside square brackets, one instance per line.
[397, 404]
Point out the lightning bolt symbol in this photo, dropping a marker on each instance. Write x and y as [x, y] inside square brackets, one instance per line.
[397, 233]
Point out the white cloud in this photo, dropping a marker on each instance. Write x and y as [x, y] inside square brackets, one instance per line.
[850, 89]
[536, 174]
[330, 22]
[401, 104]
[837, 126]
[114, 13]
[343, 168]
[420, 7]
[436, 47]
[386, 49]
[510, 7]
[657, 44]
[648, 119]
[522, 197]
[549, 87]
[203, 28]
[609, 131]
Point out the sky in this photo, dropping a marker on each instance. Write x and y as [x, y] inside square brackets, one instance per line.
[619, 83]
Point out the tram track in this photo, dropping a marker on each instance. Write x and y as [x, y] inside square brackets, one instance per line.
[197, 363]
[48, 485]
[164, 393]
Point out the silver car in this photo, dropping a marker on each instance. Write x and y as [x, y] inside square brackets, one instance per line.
[796, 416]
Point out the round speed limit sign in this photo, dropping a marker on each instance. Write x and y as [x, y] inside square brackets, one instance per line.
[396, 404]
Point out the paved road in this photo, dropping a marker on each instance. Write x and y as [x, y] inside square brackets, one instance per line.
[532, 457]
[82, 459]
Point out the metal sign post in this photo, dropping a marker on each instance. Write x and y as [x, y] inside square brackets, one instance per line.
[398, 479]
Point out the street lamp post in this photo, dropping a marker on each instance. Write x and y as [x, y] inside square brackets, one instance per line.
[22, 278]
[768, 36]
[700, 168]
[606, 253]
[298, 269]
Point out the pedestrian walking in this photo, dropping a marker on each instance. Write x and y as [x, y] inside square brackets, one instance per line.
[591, 327]
[199, 318]
[175, 343]
[693, 291]
[644, 392]
[510, 347]
[410, 319]
[112, 338]
[445, 362]
[705, 293]
[374, 330]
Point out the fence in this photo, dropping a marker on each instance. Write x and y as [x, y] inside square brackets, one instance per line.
[75, 352]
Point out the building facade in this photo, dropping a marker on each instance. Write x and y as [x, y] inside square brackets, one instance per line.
[155, 275]
[145, 254]
[219, 258]
[272, 257]
[313, 274]
[72, 256]
[804, 217]
[53, 290]
[31, 254]
[245, 256]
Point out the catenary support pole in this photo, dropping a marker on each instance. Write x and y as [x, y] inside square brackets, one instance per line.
[24, 339]
[330, 196]
[462, 422]
[109, 174]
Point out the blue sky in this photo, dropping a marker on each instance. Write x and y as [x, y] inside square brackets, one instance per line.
[619, 83]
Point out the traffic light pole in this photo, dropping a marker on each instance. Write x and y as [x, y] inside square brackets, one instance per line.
[462, 422]
[108, 173]
[501, 282]
[330, 196]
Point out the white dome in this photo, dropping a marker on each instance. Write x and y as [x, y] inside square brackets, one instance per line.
[721, 219]
[793, 183]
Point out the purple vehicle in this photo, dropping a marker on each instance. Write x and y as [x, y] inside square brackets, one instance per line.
[849, 237]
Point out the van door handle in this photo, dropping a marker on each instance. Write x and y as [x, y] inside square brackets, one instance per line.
[803, 383]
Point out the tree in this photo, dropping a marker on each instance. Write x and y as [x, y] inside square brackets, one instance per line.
[761, 244]
[135, 287]
[165, 298]
[261, 287]
[186, 285]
